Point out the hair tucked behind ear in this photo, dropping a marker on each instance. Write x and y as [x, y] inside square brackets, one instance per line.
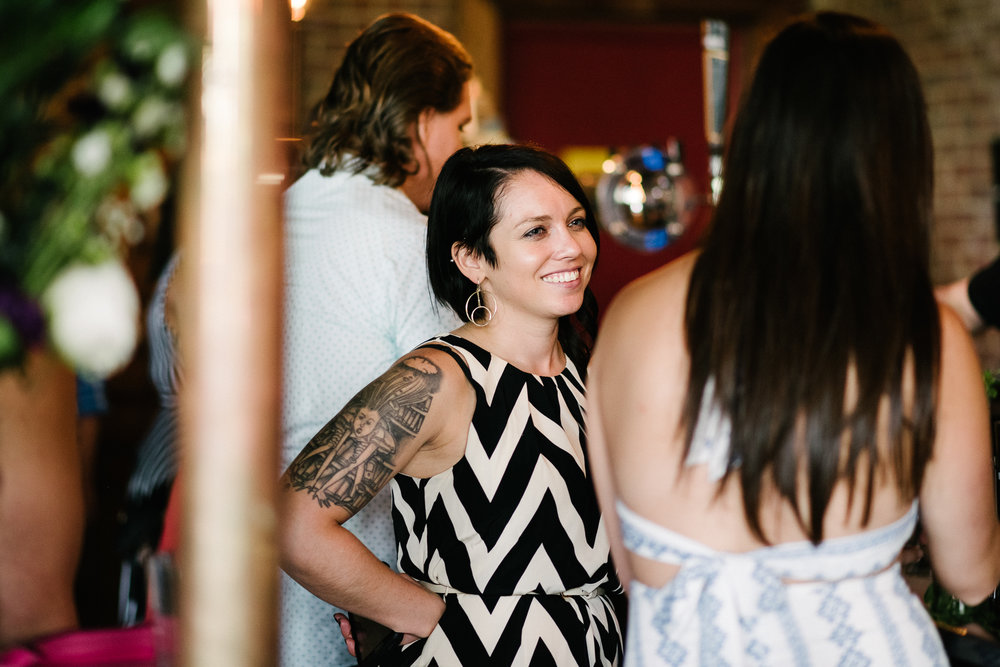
[464, 209]
[398, 67]
[815, 273]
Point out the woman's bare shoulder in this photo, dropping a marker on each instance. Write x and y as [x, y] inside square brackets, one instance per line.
[650, 308]
[437, 364]
[641, 351]
[662, 287]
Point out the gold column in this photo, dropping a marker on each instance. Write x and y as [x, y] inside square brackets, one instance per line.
[230, 315]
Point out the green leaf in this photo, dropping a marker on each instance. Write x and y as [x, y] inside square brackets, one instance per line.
[43, 40]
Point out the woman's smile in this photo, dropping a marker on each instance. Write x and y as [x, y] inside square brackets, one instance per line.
[562, 276]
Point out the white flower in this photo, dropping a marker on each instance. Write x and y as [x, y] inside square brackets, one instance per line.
[153, 113]
[92, 152]
[118, 221]
[148, 182]
[115, 90]
[141, 48]
[171, 66]
[93, 314]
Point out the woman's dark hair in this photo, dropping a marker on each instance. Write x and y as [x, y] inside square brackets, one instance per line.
[813, 280]
[398, 67]
[465, 207]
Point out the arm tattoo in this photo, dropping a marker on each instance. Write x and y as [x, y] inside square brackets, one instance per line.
[354, 455]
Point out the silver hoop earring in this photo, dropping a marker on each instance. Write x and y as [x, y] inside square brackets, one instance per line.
[481, 314]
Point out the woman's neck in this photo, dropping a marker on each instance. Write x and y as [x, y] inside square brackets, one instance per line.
[532, 349]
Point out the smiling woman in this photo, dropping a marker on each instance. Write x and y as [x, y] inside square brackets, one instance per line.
[544, 255]
[479, 434]
[536, 215]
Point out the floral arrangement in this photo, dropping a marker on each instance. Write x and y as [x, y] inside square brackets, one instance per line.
[92, 122]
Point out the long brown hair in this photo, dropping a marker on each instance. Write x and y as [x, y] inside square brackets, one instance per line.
[815, 269]
[398, 67]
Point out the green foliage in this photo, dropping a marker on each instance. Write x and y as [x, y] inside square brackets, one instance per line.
[949, 610]
[69, 69]
[92, 120]
[992, 381]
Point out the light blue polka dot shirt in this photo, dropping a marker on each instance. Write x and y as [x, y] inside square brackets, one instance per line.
[356, 299]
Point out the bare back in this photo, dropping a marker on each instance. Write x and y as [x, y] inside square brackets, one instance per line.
[636, 404]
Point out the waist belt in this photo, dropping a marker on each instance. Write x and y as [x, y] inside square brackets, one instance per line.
[585, 592]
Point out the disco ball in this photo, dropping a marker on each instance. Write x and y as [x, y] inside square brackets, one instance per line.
[645, 199]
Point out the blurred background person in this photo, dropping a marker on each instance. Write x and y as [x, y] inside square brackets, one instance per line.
[152, 479]
[42, 510]
[91, 406]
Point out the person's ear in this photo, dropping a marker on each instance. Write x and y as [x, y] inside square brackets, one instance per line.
[468, 262]
[424, 125]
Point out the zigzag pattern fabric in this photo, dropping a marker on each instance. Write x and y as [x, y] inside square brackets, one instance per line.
[512, 535]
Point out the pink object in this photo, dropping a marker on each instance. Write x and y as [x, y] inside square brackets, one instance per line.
[118, 647]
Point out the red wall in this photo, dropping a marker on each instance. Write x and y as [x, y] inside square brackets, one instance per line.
[609, 85]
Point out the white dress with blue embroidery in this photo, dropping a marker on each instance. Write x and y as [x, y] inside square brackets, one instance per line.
[849, 604]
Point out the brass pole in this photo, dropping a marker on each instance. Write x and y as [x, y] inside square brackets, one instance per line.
[230, 315]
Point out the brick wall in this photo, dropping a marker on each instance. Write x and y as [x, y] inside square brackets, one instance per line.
[955, 45]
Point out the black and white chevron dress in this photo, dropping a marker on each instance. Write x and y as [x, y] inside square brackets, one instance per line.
[511, 536]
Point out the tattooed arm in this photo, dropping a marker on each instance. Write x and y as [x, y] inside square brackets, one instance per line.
[414, 418]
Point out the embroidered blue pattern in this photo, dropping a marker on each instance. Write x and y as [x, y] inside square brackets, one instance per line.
[886, 622]
[852, 607]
